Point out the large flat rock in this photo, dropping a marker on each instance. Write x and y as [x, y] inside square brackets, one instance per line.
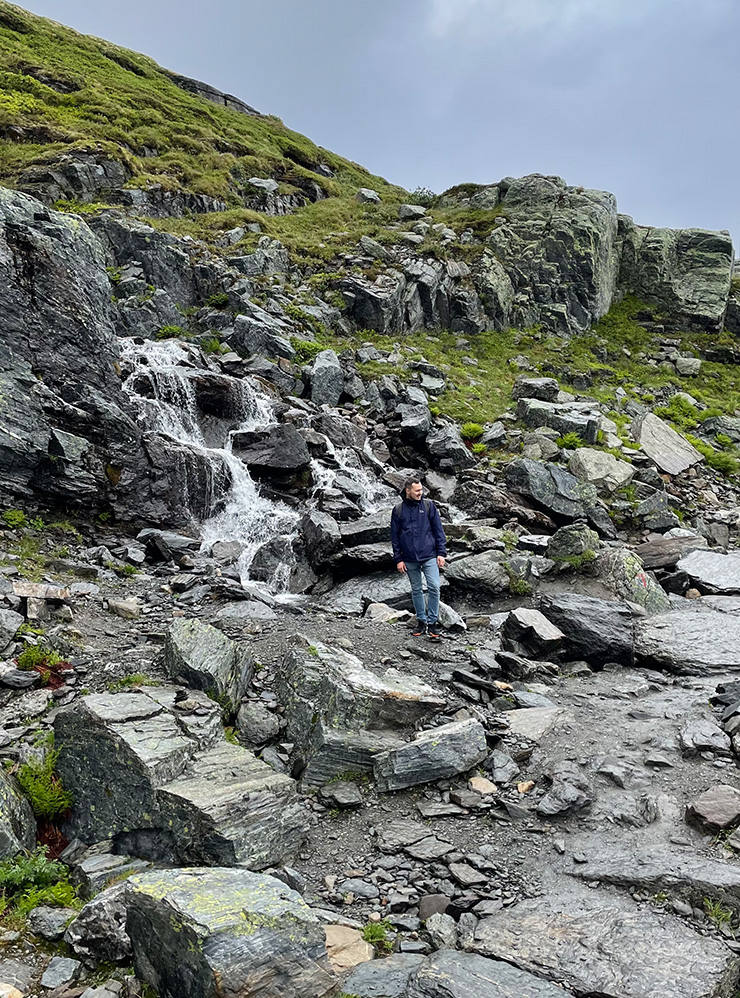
[201, 656]
[693, 641]
[450, 974]
[203, 933]
[596, 630]
[355, 594]
[713, 572]
[670, 451]
[603, 949]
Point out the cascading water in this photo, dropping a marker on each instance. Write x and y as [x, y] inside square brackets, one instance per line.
[162, 384]
[369, 493]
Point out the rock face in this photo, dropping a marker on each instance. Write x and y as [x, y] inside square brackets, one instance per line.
[341, 715]
[596, 630]
[17, 823]
[599, 949]
[157, 778]
[194, 931]
[200, 656]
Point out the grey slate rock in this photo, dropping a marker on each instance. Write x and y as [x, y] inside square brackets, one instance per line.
[713, 572]
[50, 923]
[98, 934]
[386, 978]
[191, 929]
[571, 791]
[529, 632]
[61, 970]
[17, 821]
[446, 446]
[716, 808]
[665, 552]
[321, 535]
[483, 573]
[451, 974]
[545, 389]
[689, 642]
[433, 755]
[277, 451]
[596, 630]
[10, 621]
[559, 493]
[256, 724]
[200, 656]
[327, 379]
[670, 451]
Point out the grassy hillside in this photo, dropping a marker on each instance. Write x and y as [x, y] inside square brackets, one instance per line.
[60, 90]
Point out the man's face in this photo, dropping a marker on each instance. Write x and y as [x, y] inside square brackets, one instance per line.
[414, 491]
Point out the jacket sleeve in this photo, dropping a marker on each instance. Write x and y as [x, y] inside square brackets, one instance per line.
[396, 536]
[438, 531]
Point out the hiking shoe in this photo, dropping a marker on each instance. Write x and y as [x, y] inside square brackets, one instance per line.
[433, 632]
[420, 630]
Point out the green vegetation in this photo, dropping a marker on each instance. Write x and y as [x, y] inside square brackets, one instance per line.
[43, 788]
[376, 933]
[27, 881]
[717, 912]
[720, 460]
[471, 431]
[576, 561]
[15, 519]
[218, 300]
[171, 333]
[132, 681]
[570, 441]
[479, 449]
[230, 736]
[38, 656]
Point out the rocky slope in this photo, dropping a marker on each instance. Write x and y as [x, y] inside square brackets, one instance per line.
[220, 358]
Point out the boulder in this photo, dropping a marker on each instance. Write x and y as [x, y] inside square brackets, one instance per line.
[416, 422]
[411, 212]
[716, 808]
[261, 334]
[321, 536]
[50, 923]
[276, 452]
[665, 552]
[529, 632]
[713, 572]
[595, 947]
[446, 446]
[601, 469]
[387, 978]
[375, 528]
[670, 451]
[575, 544]
[202, 657]
[570, 791]
[623, 572]
[451, 974]
[192, 929]
[10, 621]
[690, 641]
[702, 735]
[545, 389]
[353, 595]
[569, 417]
[327, 378]
[340, 714]
[154, 774]
[559, 493]
[98, 933]
[484, 573]
[596, 630]
[433, 755]
[256, 724]
[17, 823]
[366, 195]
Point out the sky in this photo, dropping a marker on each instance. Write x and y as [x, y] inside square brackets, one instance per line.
[637, 97]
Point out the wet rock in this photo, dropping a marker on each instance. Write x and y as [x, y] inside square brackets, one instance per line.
[161, 782]
[451, 974]
[665, 552]
[60, 970]
[533, 723]
[571, 791]
[446, 446]
[277, 452]
[201, 657]
[713, 572]
[601, 469]
[483, 572]
[598, 948]
[623, 572]
[187, 929]
[716, 808]
[693, 641]
[559, 493]
[386, 978]
[501, 766]
[702, 735]
[256, 724]
[529, 632]
[670, 451]
[596, 630]
[261, 335]
[433, 755]
[17, 822]
[321, 535]
[98, 934]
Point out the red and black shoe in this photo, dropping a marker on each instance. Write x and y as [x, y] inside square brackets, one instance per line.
[433, 632]
[420, 630]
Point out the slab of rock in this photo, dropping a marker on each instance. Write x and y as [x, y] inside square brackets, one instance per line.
[665, 552]
[716, 808]
[533, 723]
[98, 934]
[387, 978]
[50, 923]
[10, 621]
[17, 822]
[670, 451]
[685, 876]
[559, 493]
[433, 755]
[353, 595]
[600, 949]
[327, 379]
[601, 469]
[277, 451]
[545, 389]
[702, 735]
[192, 929]
[451, 974]
[321, 535]
[160, 780]
[346, 948]
[596, 630]
[483, 572]
[689, 642]
[713, 572]
[571, 791]
[202, 657]
[529, 632]
[60, 970]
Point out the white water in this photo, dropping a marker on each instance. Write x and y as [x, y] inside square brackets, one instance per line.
[373, 494]
[169, 408]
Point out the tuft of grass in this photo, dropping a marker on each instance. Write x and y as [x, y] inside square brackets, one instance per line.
[717, 912]
[219, 299]
[34, 656]
[570, 441]
[471, 431]
[131, 681]
[171, 333]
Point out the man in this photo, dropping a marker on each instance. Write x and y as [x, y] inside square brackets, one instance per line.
[419, 548]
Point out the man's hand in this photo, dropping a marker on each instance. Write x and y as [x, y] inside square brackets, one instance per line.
[401, 566]
[440, 561]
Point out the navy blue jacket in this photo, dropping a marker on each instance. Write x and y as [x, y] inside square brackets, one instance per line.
[416, 531]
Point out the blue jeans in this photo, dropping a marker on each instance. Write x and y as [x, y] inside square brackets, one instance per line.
[430, 569]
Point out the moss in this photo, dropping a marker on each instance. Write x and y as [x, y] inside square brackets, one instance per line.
[576, 561]
[132, 681]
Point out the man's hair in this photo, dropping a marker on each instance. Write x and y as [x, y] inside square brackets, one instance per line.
[411, 480]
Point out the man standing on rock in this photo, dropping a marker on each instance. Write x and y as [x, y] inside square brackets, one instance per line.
[419, 547]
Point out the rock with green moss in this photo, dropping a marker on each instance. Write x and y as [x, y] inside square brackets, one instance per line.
[625, 575]
[155, 775]
[202, 657]
[17, 823]
[485, 573]
[202, 932]
[575, 544]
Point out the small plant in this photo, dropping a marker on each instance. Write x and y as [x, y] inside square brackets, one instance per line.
[519, 587]
[34, 656]
[123, 571]
[576, 561]
[510, 539]
[219, 299]
[43, 788]
[313, 650]
[723, 441]
[230, 736]
[423, 196]
[27, 881]
[471, 431]
[104, 517]
[114, 275]
[211, 344]
[479, 449]
[570, 441]
[682, 413]
[717, 913]
[376, 934]
[171, 333]
[435, 410]
[306, 350]
[132, 681]
[15, 519]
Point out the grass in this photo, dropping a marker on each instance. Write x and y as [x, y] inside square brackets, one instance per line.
[38, 656]
[570, 441]
[132, 681]
[717, 912]
[43, 788]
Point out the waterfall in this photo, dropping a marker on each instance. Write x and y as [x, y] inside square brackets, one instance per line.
[162, 385]
[371, 493]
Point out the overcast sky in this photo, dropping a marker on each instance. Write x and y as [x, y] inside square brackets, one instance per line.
[638, 97]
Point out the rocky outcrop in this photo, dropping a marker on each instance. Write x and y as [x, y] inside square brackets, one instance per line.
[17, 823]
[205, 659]
[153, 773]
